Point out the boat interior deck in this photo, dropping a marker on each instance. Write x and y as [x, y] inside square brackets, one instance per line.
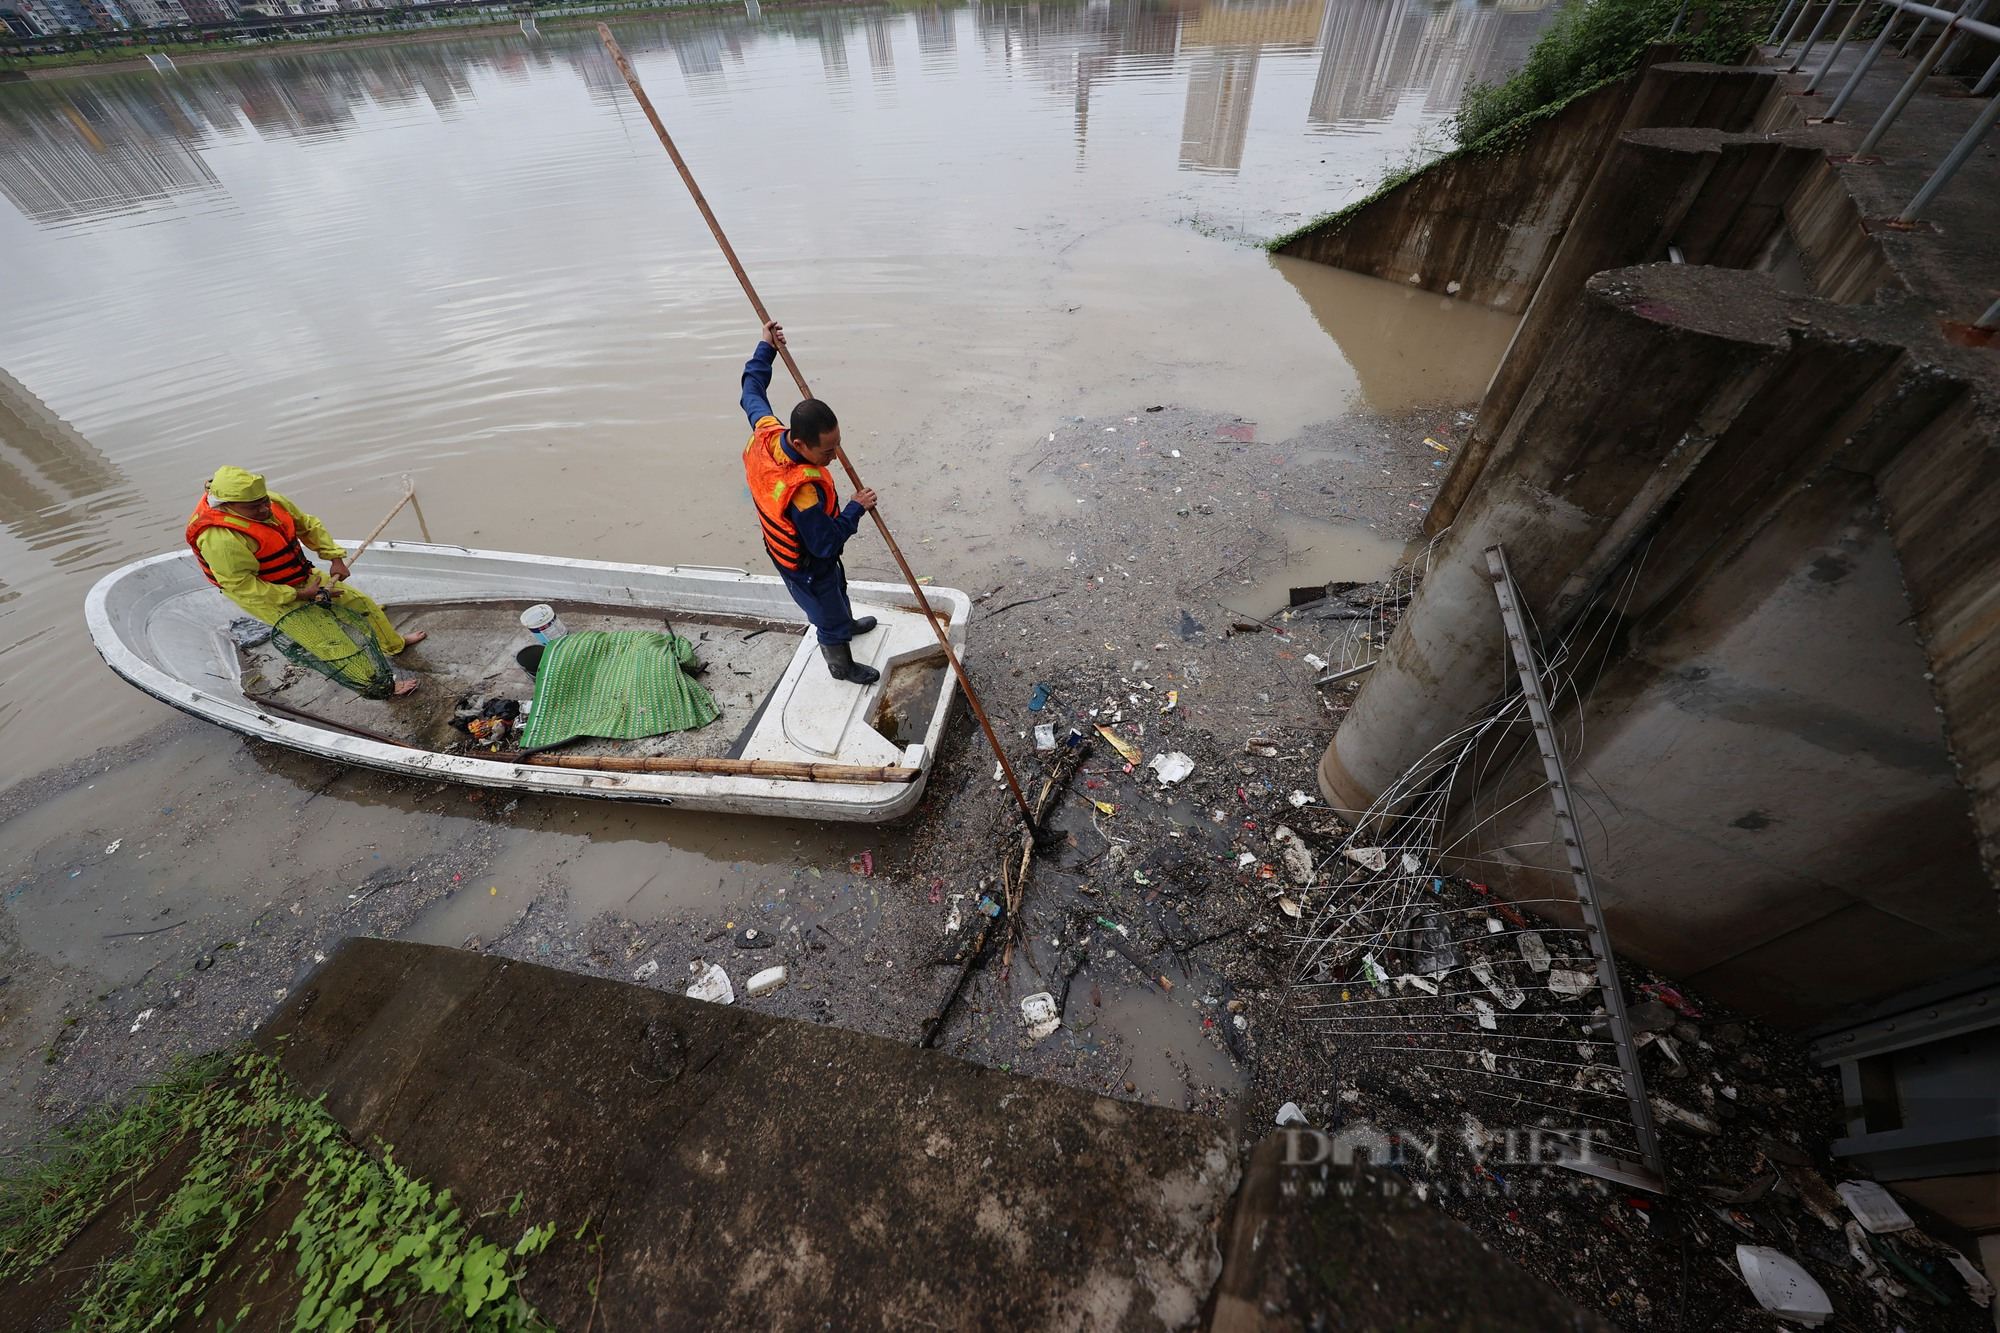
[470, 655]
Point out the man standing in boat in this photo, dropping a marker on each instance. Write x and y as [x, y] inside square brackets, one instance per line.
[805, 527]
[250, 543]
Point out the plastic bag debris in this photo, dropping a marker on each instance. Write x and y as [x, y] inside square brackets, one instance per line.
[1299, 800]
[1502, 990]
[1372, 858]
[1290, 1114]
[1873, 1207]
[1485, 1012]
[1371, 971]
[1411, 979]
[1694, 1122]
[1781, 1286]
[1315, 661]
[1045, 738]
[1170, 767]
[1533, 952]
[1287, 906]
[1244, 860]
[1976, 1285]
[1173, 701]
[647, 970]
[1672, 998]
[1126, 750]
[763, 983]
[710, 983]
[1297, 856]
[1575, 985]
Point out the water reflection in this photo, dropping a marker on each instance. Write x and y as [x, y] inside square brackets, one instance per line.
[46, 465]
[1374, 52]
[1218, 109]
[80, 149]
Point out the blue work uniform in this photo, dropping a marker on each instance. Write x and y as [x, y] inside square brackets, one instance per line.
[819, 584]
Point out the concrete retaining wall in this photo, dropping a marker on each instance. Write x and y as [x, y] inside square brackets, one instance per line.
[1763, 483]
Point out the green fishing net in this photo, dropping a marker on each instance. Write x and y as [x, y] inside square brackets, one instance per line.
[339, 645]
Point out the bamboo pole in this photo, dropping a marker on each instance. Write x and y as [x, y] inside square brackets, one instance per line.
[798, 377]
[409, 497]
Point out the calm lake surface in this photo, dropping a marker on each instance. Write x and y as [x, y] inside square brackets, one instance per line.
[469, 261]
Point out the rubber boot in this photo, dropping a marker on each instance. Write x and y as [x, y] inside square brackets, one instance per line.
[840, 661]
[862, 624]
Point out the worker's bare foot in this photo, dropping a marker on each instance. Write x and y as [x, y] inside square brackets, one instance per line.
[404, 687]
[415, 636]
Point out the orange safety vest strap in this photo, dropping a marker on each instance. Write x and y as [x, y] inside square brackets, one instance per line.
[280, 558]
[774, 478]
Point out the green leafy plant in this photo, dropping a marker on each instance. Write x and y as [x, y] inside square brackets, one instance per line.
[367, 1243]
[1592, 42]
[1589, 44]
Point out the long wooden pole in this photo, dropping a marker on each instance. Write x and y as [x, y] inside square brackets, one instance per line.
[757, 304]
[409, 495]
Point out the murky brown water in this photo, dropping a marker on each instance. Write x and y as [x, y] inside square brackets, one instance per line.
[469, 261]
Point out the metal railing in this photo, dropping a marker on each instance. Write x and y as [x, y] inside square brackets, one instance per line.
[1955, 27]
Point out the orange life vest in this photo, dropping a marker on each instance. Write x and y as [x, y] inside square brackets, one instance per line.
[280, 558]
[775, 478]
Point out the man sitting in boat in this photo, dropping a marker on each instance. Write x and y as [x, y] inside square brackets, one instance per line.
[804, 526]
[250, 544]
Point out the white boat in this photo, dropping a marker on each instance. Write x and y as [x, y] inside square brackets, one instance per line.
[791, 741]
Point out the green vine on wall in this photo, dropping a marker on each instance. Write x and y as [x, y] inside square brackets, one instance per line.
[368, 1243]
[1590, 43]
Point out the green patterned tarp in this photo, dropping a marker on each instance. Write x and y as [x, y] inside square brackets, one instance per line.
[619, 686]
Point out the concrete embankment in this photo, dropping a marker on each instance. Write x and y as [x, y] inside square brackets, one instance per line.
[709, 1167]
[1741, 455]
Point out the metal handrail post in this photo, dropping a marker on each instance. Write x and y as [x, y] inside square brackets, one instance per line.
[1813, 36]
[1986, 79]
[1956, 159]
[1841, 43]
[1782, 16]
[1989, 320]
[1910, 86]
[1797, 23]
[1861, 69]
[1923, 25]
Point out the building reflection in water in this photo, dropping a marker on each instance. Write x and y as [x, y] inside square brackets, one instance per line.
[85, 149]
[57, 492]
[1374, 53]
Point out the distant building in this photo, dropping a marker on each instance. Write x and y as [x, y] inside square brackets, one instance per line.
[212, 11]
[27, 18]
[110, 15]
[66, 15]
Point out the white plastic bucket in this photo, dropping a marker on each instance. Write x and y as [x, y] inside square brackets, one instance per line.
[542, 621]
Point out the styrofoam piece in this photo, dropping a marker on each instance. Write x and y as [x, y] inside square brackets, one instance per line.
[1781, 1286]
[159, 624]
[1873, 1207]
[710, 983]
[1171, 767]
[763, 983]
